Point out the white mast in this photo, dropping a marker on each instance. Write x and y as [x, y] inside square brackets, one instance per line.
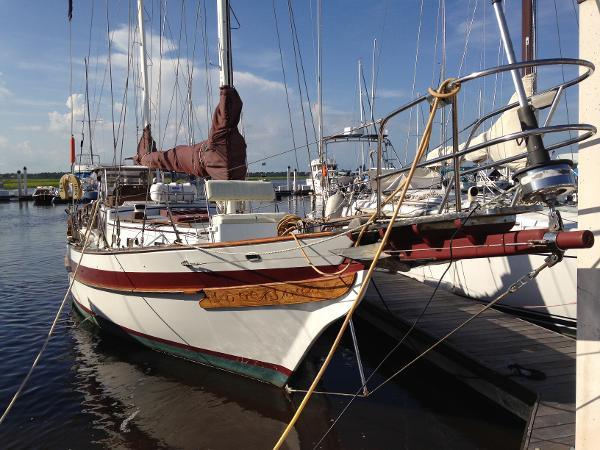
[224, 31]
[319, 81]
[373, 80]
[362, 115]
[144, 64]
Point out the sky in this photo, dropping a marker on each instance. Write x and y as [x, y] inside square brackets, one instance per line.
[38, 55]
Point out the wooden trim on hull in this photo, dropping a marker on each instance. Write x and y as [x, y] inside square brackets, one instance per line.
[260, 370]
[194, 282]
[305, 291]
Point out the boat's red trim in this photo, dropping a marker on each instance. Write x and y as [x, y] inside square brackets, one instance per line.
[197, 281]
[239, 359]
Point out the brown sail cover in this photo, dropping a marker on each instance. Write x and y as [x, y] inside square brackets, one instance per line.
[222, 156]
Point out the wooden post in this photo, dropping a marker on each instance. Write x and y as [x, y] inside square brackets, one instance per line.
[294, 181]
[25, 181]
[588, 261]
[19, 183]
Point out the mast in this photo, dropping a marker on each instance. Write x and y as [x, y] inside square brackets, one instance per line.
[319, 81]
[362, 115]
[224, 32]
[528, 33]
[373, 80]
[144, 66]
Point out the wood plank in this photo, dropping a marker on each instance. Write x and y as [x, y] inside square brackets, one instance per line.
[494, 340]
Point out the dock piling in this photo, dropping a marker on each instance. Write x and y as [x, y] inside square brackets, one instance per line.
[588, 271]
[20, 193]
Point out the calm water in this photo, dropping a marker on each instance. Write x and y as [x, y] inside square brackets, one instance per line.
[94, 391]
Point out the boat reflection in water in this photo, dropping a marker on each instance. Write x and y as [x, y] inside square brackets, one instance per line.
[139, 398]
[148, 400]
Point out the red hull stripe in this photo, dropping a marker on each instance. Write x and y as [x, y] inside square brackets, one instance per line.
[196, 281]
[237, 359]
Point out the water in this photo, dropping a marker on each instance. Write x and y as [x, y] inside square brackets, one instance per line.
[95, 391]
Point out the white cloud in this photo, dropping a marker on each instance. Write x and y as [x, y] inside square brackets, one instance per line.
[390, 93]
[120, 39]
[249, 80]
[267, 60]
[62, 122]
[28, 128]
[4, 91]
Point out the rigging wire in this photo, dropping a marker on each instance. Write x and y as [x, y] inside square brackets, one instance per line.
[404, 337]
[299, 56]
[287, 98]
[511, 289]
[575, 12]
[562, 69]
[295, 49]
[414, 81]
[112, 98]
[70, 17]
[402, 189]
[53, 326]
[208, 75]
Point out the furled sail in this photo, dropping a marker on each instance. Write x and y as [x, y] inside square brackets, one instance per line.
[507, 123]
[221, 157]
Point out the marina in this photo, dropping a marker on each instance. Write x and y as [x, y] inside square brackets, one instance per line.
[243, 250]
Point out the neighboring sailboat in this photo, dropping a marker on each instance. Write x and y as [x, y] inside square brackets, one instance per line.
[552, 297]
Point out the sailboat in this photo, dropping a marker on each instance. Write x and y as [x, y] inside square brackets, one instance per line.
[209, 280]
[550, 298]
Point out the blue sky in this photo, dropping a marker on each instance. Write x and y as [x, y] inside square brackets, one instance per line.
[34, 70]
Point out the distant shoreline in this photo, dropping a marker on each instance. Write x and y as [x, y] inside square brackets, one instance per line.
[34, 180]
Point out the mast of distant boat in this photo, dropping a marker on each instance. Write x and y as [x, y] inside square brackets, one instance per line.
[362, 116]
[322, 156]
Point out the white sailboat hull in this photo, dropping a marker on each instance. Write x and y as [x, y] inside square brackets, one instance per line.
[129, 291]
[552, 296]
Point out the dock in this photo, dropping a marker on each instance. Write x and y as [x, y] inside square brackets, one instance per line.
[525, 368]
[299, 191]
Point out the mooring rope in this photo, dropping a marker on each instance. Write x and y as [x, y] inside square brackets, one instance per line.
[438, 95]
[550, 261]
[54, 322]
[315, 268]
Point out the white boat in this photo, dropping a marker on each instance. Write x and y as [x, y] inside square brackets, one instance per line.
[213, 281]
[323, 173]
[224, 297]
[43, 195]
[550, 298]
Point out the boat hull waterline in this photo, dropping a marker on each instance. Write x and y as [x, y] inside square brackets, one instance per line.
[250, 322]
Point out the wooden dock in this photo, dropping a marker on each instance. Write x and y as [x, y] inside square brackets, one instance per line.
[527, 369]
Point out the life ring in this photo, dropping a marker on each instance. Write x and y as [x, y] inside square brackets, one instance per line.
[324, 170]
[70, 187]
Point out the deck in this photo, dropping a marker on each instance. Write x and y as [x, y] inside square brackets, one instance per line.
[540, 390]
